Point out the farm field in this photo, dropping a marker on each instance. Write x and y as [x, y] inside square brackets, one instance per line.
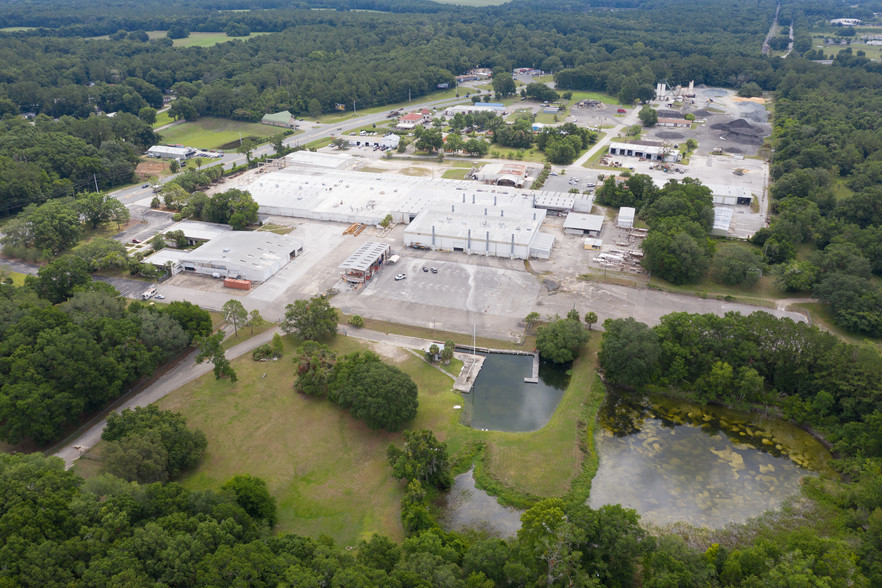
[216, 133]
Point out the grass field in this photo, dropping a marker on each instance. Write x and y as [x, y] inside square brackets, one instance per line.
[17, 278]
[213, 133]
[328, 471]
[16, 29]
[605, 98]
[456, 174]
[162, 119]
[201, 39]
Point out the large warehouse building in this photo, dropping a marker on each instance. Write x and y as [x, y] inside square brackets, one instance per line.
[250, 255]
[477, 229]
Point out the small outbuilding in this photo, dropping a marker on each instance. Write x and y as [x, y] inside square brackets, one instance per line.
[593, 244]
[363, 265]
[626, 217]
[169, 152]
[583, 224]
[280, 119]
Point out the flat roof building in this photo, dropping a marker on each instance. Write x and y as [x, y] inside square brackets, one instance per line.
[250, 255]
[583, 224]
[167, 152]
[476, 229]
[626, 217]
[652, 150]
[367, 260]
[722, 221]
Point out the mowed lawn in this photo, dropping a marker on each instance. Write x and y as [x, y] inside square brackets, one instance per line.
[328, 471]
[212, 133]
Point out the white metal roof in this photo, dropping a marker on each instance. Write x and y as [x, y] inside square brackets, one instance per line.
[324, 160]
[365, 256]
[584, 222]
[722, 219]
[501, 222]
[199, 230]
[626, 213]
[165, 255]
[251, 249]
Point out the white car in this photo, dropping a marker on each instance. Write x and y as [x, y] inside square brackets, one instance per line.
[400, 277]
[160, 296]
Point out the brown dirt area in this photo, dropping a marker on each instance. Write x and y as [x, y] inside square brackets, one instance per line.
[151, 168]
[756, 99]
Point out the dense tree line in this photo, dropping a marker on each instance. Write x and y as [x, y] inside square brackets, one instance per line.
[814, 377]
[51, 159]
[108, 531]
[69, 345]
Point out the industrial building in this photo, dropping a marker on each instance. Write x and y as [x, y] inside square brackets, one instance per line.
[730, 195]
[167, 152]
[362, 265]
[674, 122]
[250, 255]
[503, 174]
[197, 232]
[651, 150]
[355, 197]
[494, 107]
[477, 229]
[583, 224]
[314, 159]
[626, 217]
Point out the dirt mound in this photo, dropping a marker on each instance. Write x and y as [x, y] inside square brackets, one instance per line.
[702, 113]
[668, 135]
[740, 131]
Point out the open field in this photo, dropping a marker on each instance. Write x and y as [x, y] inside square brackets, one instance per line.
[162, 119]
[328, 471]
[213, 133]
[605, 98]
[17, 278]
[16, 29]
[201, 39]
[473, 2]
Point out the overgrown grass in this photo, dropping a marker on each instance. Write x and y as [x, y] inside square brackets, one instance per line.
[212, 133]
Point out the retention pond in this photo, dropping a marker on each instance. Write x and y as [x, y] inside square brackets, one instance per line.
[672, 461]
[500, 400]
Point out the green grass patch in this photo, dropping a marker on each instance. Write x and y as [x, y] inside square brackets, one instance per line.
[277, 229]
[532, 154]
[605, 98]
[456, 174]
[245, 333]
[840, 190]
[213, 133]
[17, 278]
[319, 143]
[162, 119]
[550, 119]
[17, 29]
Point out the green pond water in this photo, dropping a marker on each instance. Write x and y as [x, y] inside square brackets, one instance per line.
[501, 401]
[466, 506]
[676, 461]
